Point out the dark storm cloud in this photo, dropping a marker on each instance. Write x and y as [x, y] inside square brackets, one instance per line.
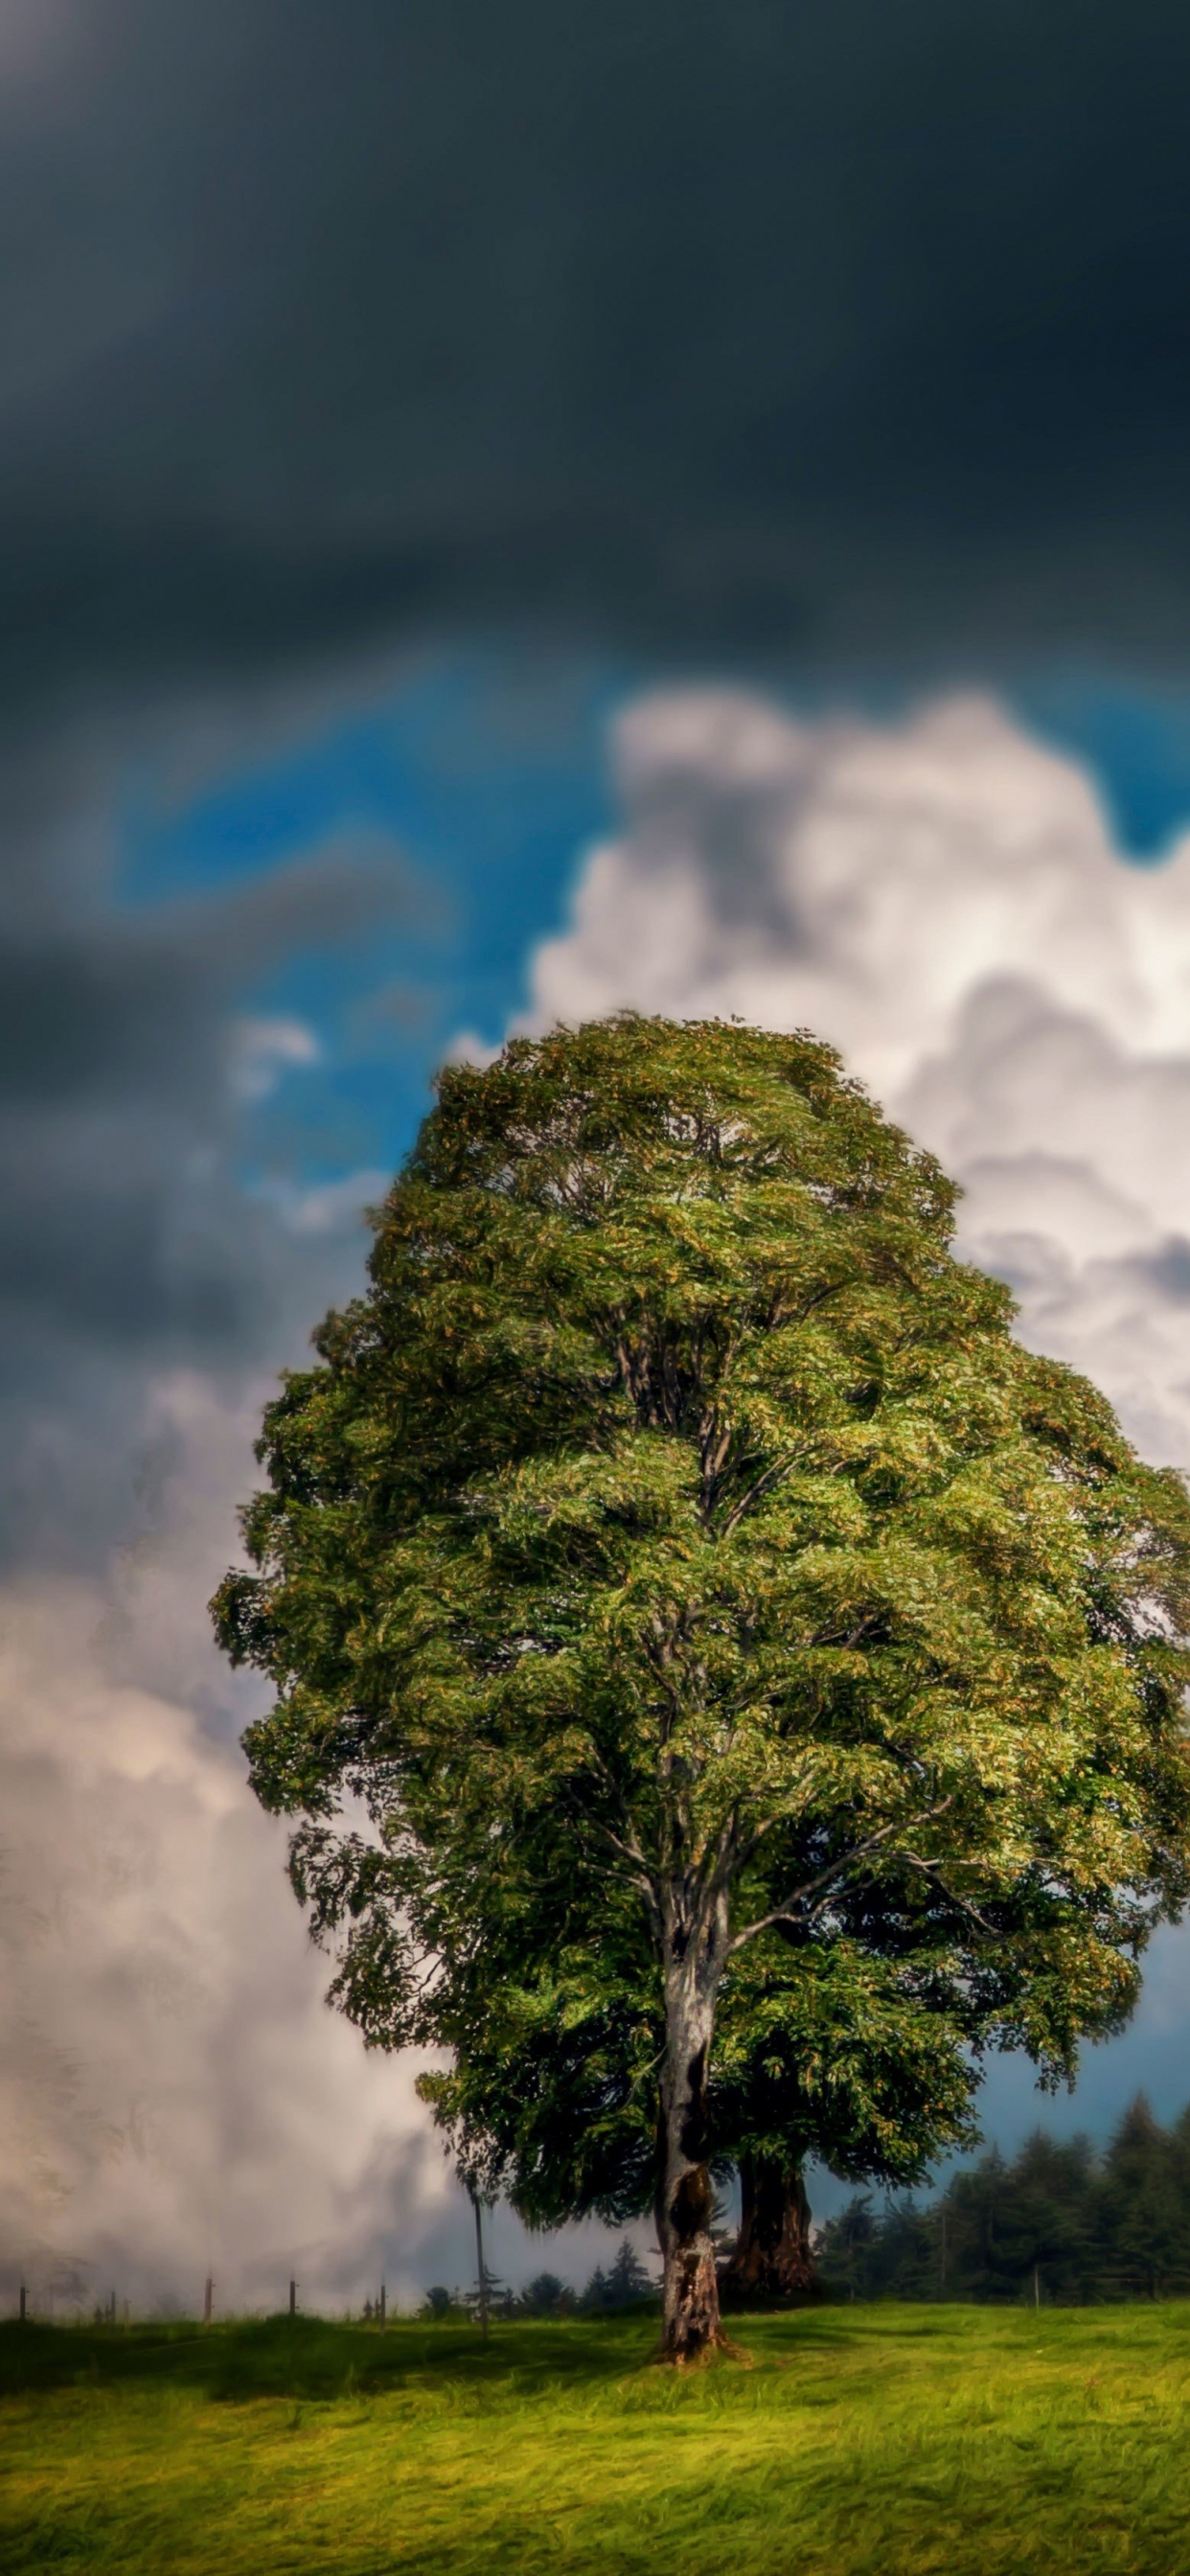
[833, 328]
[128, 1240]
[837, 326]
[136, 1005]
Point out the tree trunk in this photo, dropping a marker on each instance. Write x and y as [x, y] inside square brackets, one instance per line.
[772, 2258]
[686, 2199]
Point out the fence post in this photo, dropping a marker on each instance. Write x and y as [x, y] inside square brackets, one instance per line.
[293, 2298]
[207, 2297]
[23, 2319]
[383, 2305]
[483, 2271]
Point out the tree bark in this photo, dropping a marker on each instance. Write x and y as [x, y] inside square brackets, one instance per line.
[686, 2198]
[772, 2258]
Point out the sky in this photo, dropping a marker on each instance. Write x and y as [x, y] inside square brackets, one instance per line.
[506, 514]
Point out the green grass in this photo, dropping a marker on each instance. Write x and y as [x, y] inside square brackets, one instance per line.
[878, 2441]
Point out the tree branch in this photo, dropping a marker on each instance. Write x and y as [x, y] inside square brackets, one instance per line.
[764, 1484]
[784, 1912]
[631, 1852]
[929, 1869]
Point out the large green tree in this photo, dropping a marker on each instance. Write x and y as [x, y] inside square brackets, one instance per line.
[551, 2094]
[550, 2098]
[674, 1548]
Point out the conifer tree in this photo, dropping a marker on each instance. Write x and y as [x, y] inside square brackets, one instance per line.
[1141, 2214]
[627, 2279]
[675, 1544]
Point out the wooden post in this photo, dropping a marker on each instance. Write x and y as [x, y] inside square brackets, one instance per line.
[111, 2307]
[1036, 2288]
[383, 2305]
[293, 2298]
[207, 2299]
[23, 2317]
[483, 2274]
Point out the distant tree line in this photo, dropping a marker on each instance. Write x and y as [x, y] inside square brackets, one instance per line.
[1057, 2224]
[625, 2284]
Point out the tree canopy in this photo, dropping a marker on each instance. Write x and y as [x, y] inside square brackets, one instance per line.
[674, 1575]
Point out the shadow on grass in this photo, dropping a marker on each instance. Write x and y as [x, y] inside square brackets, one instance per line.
[310, 2357]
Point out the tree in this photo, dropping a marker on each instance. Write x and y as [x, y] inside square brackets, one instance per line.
[594, 2301]
[675, 1546]
[1142, 2215]
[851, 2244]
[627, 2283]
[827, 2051]
[550, 2098]
[545, 2296]
[1023, 2229]
[1044, 2244]
[1057, 2224]
[440, 2304]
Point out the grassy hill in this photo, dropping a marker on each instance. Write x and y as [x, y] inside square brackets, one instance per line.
[880, 2441]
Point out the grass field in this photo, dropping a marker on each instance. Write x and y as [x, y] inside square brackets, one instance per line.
[878, 2441]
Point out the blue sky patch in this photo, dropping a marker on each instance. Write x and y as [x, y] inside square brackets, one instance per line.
[489, 786]
[488, 780]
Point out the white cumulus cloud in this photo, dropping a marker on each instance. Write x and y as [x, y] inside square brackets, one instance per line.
[175, 2097]
[940, 897]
